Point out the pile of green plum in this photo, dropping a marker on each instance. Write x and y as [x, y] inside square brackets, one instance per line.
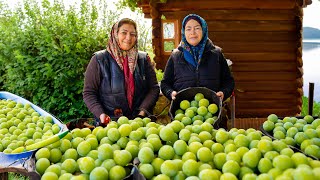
[303, 133]
[197, 109]
[172, 151]
[21, 125]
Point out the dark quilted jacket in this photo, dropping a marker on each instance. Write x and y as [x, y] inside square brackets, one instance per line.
[212, 72]
[110, 93]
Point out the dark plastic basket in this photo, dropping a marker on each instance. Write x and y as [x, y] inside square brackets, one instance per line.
[189, 93]
[81, 123]
[135, 174]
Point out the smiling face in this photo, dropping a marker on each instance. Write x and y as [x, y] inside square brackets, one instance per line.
[193, 32]
[127, 35]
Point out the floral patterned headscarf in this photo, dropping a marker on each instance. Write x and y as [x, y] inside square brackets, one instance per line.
[127, 60]
[118, 54]
[193, 54]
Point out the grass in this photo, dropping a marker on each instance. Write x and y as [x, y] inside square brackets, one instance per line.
[16, 176]
[316, 107]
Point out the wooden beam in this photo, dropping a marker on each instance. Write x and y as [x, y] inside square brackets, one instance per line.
[261, 56]
[264, 76]
[265, 111]
[252, 26]
[177, 5]
[245, 86]
[264, 66]
[256, 47]
[265, 95]
[236, 14]
[235, 36]
[260, 104]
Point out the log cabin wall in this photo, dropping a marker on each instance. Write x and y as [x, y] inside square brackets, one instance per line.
[262, 38]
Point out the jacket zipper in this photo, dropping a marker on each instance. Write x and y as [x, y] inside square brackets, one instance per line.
[197, 72]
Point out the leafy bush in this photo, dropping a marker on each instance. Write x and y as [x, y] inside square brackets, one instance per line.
[316, 107]
[45, 48]
[133, 4]
[159, 74]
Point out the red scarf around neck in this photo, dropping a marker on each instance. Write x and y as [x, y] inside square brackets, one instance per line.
[129, 82]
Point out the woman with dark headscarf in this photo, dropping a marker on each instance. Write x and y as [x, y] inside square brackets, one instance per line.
[120, 81]
[197, 62]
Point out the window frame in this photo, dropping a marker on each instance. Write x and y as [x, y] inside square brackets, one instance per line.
[175, 39]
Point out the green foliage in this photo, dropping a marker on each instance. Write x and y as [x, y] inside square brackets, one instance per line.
[168, 46]
[159, 74]
[144, 31]
[316, 107]
[45, 48]
[132, 4]
[16, 176]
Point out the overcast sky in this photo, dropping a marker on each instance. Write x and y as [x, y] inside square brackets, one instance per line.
[311, 16]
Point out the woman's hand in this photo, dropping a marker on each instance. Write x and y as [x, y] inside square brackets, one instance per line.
[173, 95]
[220, 94]
[104, 119]
[142, 113]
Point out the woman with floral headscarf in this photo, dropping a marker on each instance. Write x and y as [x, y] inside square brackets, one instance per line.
[197, 62]
[120, 81]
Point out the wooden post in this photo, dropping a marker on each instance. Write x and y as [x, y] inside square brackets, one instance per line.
[310, 99]
[4, 176]
[298, 19]
[233, 108]
[156, 32]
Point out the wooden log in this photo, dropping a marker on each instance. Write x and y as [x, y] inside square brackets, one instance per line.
[191, 5]
[299, 72]
[145, 9]
[154, 12]
[264, 58]
[218, 36]
[162, 61]
[284, 111]
[246, 123]
[265, 95]
[156, 41]
[260, 56]
[265, 112]
[143, 2]
[299, 61]
[299, 101]
[253, 47]
[299, 52]
[4, 176]
[259, 104]
[264, 66]
[260, 85]
[310, 98]
[236, 14]
[254, 25]
[299, 82]
[264, 76]
[299, 92]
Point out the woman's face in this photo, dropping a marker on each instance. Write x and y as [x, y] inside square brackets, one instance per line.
[127, 36]
[193, 32]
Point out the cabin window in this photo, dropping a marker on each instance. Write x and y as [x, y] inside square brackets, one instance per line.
[170, 35]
